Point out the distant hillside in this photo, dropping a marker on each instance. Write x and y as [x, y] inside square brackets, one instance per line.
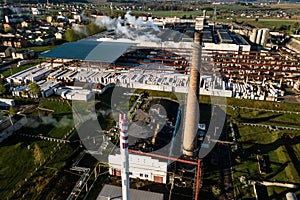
[42, 1]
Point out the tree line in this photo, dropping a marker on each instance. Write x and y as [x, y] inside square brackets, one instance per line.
[82, 32]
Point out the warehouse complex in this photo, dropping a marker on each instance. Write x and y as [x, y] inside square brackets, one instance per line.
[228, 68]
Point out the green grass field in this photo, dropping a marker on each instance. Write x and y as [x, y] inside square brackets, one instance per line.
[34, 188]
[13, 166]
[273, 24]
[283, 167]
[264, 104]
[267, 117]
[62, 117]
[60, 107]
[17, 161]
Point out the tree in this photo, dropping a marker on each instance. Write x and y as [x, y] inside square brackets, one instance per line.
[71, 35]
[11, 111]
[39, 155]
[93, 29]
[2, 88]
[8, 29]
[34, 89]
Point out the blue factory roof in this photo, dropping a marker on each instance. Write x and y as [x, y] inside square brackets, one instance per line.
[89, 50]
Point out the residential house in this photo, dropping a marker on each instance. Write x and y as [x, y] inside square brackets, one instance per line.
[24, 24]
[17, 42]
[77, 18]
[59, 35]
[13, 19]
[72, 21]
[36, 11]
[6, 51]
[44, 40]
[49, 19]
[7, 27]
[31, 38]
[24, 54]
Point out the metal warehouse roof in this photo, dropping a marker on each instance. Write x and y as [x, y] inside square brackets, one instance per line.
[115, 192]
[89, 50]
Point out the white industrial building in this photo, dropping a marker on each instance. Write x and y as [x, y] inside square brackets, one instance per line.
[77, 94]
[48, 87]
[25, 54]
[142, 167]
[259, 36]
[33, 74]
[6, 102]
[62, 74]
[20, 91]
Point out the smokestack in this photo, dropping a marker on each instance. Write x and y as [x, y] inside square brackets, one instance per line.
[123, 125]
[192, 108]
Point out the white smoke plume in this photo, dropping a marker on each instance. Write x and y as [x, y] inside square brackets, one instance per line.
[131, 27]
[107, 22]
[80, 29]
[49, 120]
[84, 17]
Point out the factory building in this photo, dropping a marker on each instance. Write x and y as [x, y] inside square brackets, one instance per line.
[142, 167]
[219, 38]
[165, 65]
[6, 102]
[115, 192]
[47, 87]
[77, 94]
[33, 74]
[259, 36]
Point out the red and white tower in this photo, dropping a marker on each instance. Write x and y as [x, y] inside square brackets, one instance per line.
[123, 125]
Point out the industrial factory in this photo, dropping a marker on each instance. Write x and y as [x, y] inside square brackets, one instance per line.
[206, 59]
[228, 67]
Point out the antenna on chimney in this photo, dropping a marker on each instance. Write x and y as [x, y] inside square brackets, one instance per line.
[123, 125]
